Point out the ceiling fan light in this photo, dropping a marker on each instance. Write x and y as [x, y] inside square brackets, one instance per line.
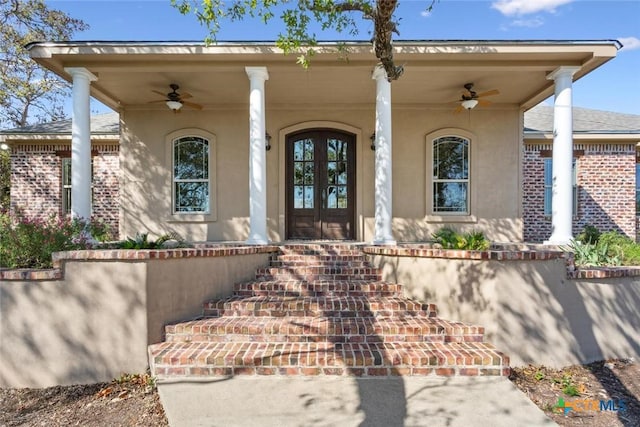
[469, 103]
[174, 105]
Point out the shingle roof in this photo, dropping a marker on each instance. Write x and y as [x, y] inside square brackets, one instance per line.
[101, 124]
[540, 119]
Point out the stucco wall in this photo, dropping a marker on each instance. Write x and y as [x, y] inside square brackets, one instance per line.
[96, 323]
[529, 309]
[495, 188]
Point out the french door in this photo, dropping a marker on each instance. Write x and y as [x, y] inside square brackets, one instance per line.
[320, 181]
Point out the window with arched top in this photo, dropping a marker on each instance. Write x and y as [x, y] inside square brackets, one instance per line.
[451, 179]
[191, 175]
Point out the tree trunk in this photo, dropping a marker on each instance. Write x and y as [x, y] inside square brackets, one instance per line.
[384, 28]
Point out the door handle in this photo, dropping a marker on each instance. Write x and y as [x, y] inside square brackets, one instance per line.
[324, 198]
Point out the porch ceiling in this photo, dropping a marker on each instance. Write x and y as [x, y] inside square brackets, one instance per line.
[435, 72]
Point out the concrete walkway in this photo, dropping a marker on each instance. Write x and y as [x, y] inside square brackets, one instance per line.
[349, 401]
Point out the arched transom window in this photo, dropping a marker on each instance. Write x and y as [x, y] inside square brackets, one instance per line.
[451, 175]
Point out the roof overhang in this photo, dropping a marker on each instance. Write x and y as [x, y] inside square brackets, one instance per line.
[621, 137]
[340, 73]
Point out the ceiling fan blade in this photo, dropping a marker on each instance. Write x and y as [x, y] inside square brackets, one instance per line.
[163, 94]
[484, 102]
[192, 105]
[155, 102]
[458, 109]
[489, 93]
[185, 95]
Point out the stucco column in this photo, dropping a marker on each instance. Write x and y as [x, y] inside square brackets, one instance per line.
[257, 158]
[81, 143]
[562, 185]
[383, 234]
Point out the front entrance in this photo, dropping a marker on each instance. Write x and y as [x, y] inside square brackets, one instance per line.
[320, 187]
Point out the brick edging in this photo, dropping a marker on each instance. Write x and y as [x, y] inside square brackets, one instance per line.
[201, 251]
[24, 274]
[510, 253]
[604, 272]
[491, 254]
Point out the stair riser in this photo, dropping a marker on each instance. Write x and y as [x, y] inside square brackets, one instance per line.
[275, 338]
[171, 372]
[308, 293]
[315, 313]
[352, 261]
[285, 276]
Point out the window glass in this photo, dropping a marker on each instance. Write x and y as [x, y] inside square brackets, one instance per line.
[66, 184]
[451, 175]
[191, 175]
[548, 186]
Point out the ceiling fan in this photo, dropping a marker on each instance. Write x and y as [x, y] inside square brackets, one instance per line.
[175, 100]
[470, 98]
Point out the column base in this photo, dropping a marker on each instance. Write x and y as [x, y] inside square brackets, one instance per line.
[558, 240]
[385, 242]
[256, 241]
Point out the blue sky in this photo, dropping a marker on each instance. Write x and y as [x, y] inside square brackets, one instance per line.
[613, 87]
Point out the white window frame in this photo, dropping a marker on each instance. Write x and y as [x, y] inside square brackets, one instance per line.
[637, 188]
[450, 217]
[66, 188]
[548, 185]
[170, 141]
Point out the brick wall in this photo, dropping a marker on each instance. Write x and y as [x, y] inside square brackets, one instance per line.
[36, 181]
[606, 189]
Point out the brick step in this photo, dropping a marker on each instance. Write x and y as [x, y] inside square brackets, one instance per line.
[199, 359]
[327, 306]
[318, 288]
[318, 273]
[314, 329]
[312, 261]
[321, 249]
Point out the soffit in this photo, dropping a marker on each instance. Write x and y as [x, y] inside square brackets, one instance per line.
[215, 75]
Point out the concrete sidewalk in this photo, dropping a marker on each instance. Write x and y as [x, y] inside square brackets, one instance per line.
[348, 401]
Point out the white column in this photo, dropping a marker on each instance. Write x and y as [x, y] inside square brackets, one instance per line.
[81, 143]
[562, 190]
[383, 234]
[257, 158]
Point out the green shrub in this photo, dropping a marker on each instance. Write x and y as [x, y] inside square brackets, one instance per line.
[451, 239]
[590, 234]
[593, 255]
[141, 241]
[29, 243]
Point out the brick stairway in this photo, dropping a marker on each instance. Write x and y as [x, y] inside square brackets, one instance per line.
[322, 310]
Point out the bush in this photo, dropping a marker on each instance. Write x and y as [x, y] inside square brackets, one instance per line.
[593, 255]
[451, 239]
[590, 234]
[29, 243]
[610, 249]
[141, 241]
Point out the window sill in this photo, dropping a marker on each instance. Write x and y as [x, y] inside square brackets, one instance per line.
[185, 218]
[452, 218]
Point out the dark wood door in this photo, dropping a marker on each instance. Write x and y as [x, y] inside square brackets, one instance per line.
[321, 185]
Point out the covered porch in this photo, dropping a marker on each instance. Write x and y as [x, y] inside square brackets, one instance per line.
[255, 111]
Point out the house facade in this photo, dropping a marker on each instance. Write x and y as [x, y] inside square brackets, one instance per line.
[605, 172]
[41, 173]
[262, 150]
